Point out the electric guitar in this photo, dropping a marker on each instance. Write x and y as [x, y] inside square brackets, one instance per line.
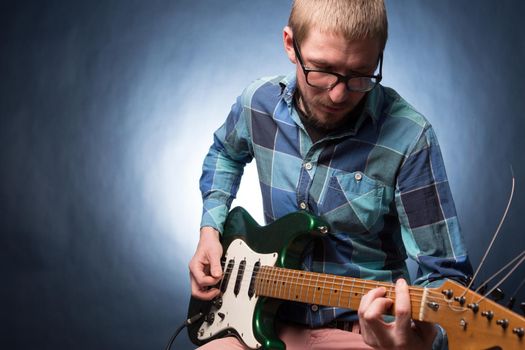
[261, 267]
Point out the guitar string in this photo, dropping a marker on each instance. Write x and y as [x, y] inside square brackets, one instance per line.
[415, 301]
[440, 301]
[494, 236]
[518, 289]
[499, 271]
[265, 271]
[417, 292]
[268, 271]
[271, 271]
[288, 275]
[503, 279]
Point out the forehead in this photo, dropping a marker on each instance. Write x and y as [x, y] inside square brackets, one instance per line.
[337, 51]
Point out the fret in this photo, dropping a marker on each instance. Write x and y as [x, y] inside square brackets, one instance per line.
[351, 292]
[307, 274]
[323, 290]
[285, 283]
[341, 291]
[389, 292]
[279, 282]
[260, 280]
[275, 284]
[272, 281]
[290, 288]
[268, 282]
[298, 296]
[263, 281]
[316, 287]
[332, 290]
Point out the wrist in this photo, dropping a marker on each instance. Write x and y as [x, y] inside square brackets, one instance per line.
[207, 232]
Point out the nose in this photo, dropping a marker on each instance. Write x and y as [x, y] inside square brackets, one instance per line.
[338, 94]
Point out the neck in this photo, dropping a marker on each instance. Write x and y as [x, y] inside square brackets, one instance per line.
[324, 289]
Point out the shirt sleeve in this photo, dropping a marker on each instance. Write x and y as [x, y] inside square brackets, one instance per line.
[429, 225]
[223, 167]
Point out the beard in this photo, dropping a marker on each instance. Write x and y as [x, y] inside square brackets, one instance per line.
[315, 120]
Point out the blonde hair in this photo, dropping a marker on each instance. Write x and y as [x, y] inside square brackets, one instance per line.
[354, 19]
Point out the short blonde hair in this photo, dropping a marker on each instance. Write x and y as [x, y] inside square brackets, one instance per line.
[354, 19]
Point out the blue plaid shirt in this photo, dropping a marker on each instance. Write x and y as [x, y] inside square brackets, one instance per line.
[379, 182]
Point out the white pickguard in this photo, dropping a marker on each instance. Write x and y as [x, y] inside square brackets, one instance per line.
[238, 309]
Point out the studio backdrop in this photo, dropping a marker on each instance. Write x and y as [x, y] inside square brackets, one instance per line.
[107, 109]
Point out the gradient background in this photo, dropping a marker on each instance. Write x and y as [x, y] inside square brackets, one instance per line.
[107, 109]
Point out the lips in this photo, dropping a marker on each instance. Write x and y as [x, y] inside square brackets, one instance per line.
[333, 109]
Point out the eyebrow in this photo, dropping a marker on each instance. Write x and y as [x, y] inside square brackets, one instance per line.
[327, 65]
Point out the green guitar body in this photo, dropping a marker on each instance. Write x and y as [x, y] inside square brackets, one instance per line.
[288, 237]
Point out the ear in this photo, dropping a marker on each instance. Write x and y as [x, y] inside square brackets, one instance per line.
[288, 44]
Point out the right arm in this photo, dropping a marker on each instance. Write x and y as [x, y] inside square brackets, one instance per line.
[221, 175]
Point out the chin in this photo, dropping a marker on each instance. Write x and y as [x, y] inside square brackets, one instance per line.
[331, 122]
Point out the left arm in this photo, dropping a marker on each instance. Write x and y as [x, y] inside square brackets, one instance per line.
[431, 236]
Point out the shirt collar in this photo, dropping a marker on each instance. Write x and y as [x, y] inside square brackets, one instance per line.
[288, 84]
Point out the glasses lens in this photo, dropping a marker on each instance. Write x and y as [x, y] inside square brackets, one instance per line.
[321, 80]
[362, 84]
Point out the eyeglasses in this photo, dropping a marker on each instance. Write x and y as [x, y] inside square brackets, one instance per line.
[328, 80]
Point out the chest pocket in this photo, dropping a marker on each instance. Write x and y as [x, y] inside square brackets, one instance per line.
[353, 202]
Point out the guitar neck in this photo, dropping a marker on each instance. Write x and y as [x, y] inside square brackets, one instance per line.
[325, 289]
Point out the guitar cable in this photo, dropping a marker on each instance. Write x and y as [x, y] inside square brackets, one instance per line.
[186, 323]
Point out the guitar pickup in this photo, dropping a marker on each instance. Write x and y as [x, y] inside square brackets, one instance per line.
[240, 274]
[227, 274]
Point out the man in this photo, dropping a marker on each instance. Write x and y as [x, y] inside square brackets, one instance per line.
[330, 139]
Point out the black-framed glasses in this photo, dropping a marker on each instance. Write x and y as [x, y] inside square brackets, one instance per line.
[328, 80]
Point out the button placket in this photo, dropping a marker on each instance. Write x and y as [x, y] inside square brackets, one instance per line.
[308, 166]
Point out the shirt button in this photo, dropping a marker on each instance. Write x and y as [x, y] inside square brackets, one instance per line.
[302, 205]
[308, 166]
[314, 308]
[358, 176]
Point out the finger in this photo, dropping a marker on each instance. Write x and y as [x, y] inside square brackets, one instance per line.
[201, 279]
[374, 330]
[215, 264]
[369, 297]
[197, 273]
[403, 310]
[203, 293]
[375, 311]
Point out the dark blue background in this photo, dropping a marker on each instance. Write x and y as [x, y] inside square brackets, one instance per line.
[107, 109]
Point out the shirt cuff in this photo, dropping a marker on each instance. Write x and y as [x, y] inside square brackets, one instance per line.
[214, 215]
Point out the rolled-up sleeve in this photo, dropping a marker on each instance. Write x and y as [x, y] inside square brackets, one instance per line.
[223, 167]
[429, 224]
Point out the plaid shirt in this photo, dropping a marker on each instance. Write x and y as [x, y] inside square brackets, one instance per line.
[380, 183]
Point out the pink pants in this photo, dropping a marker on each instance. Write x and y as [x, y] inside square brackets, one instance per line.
[301, 338]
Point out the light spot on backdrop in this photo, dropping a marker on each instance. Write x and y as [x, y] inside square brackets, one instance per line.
[108, 110]
[179, 103]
